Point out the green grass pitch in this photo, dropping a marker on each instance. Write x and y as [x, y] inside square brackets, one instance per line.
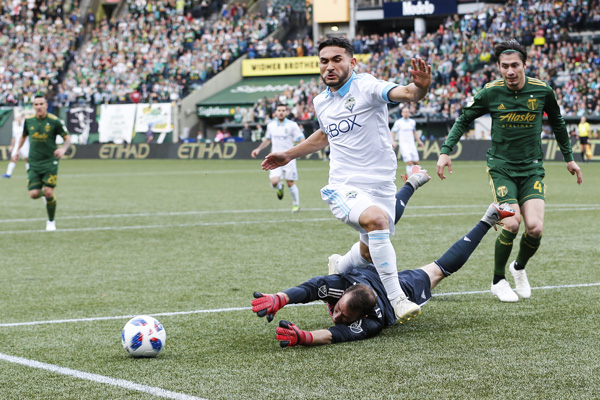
[189, 241]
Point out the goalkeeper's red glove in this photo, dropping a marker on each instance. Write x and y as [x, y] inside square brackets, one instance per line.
[268, 304]
[290, 335]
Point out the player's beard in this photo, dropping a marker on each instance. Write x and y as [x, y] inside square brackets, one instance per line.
[340, 82]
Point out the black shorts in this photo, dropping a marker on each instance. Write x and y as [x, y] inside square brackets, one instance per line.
[416, 284]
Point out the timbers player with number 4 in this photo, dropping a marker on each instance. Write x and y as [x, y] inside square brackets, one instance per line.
[517, 104]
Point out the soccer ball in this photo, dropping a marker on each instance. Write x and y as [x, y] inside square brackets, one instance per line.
[143, 336]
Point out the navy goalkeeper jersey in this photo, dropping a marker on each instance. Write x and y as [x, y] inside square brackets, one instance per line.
[330, 289]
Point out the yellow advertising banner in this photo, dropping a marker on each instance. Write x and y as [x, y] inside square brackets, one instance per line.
[331, 11]
[286, 65]
[280, 66]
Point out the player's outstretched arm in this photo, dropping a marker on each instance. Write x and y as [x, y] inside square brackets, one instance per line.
[262, 145]
[290, 335]
[421, 74]
[268, 304]
[443, 162]
[574, 169]
[317, 141]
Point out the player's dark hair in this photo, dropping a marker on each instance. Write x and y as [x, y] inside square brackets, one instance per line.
[40, 96]
[281, 105]
[338, 42]
[362, 298]
[509, 46]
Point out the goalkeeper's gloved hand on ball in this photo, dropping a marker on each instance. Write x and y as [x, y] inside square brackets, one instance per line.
[290, 335]
[268, 304]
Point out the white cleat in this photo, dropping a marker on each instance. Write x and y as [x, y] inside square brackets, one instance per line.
[418, 177]
[504, 292]
[333, 264]
[522, 286]
[496, 213]
[50, 225]
[405, 309]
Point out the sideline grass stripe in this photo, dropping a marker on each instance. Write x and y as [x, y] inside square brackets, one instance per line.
[556, 207]
[155, 391]
[278, 221]
[218, 310]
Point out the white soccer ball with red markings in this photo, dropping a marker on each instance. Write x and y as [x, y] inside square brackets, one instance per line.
[143, 336]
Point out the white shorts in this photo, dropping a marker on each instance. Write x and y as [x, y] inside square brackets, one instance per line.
[409, 152]
[24, 152]
[289, 172]
[347, 203]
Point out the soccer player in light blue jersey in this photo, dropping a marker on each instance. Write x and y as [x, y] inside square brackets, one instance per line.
[282, 133]
[353, 119]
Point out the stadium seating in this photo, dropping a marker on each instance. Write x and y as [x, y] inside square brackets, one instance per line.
[164, 51]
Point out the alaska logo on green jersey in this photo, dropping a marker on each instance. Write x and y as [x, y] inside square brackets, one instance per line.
[40, 136]
[517, 117]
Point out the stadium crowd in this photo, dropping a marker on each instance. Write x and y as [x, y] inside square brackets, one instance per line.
[162, 53]
[461, 53]
[164, 49]
[37, 42]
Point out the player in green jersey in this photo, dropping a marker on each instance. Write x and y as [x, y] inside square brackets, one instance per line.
[42, 130]
[516, 104]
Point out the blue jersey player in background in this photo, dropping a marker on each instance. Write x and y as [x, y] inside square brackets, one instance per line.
[356, 299]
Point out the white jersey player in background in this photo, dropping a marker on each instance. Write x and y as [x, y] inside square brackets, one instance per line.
[17, 132]
[353, 119]
[405, 133]
[283, 133]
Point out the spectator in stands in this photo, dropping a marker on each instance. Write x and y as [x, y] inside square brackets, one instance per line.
[246, 132]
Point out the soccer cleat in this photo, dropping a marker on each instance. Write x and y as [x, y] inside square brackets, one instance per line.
[418, 177]
[280, 193]
[6, 175]
[333, 264]
[504, 292]
[522, 286]
[50, 225]
[496, 213]
[295, 209]
[405, 309]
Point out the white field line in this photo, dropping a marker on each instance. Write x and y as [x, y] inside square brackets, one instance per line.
[221, 223]
[230, 309]
[155, 391]
[555, 207]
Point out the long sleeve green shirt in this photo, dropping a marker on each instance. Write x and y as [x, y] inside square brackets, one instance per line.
[516, 123]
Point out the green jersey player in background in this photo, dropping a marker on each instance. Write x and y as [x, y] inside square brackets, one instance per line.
[516, 104]
[42, 130]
